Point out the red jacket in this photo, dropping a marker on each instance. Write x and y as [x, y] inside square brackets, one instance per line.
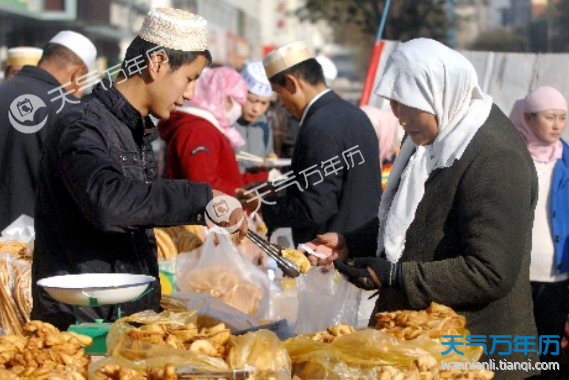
[198, 151]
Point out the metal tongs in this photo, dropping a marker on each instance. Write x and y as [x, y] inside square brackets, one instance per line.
[191, 372]
[274, 251]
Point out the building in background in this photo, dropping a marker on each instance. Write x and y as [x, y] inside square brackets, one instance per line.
[238, 29]
[110, 24]
[475, 17]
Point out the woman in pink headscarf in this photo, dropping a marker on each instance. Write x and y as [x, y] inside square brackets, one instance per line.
[200, 136]
[385, 124]
[541, 119]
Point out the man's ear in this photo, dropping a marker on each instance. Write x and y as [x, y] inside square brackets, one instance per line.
[77, 71]
[292, 84]
[157, 64]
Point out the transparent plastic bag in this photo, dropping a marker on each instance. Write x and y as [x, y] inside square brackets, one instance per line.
[21, 229]
[361, 353]
[226, 275]
[261, 350]
[325, 299]
[284, 301]
[118, 329]
[211, 311]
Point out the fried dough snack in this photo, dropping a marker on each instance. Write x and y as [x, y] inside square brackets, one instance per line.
[44, 353]
[15, 290]
[262, 228]
[298, 258]
[188, 242]
[166, 247]
[210, 341]
[433, 322]
[10, 320]
[116, 372]
[173, 240]
[332, 333]
[13, 247]
[227, 286]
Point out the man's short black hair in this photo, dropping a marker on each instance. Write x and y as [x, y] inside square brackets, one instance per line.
[176, 58]
[61, 55]
[309, 71]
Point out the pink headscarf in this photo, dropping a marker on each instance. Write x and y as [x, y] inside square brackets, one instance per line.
[541, 99]
[385, 124]
[212, 87]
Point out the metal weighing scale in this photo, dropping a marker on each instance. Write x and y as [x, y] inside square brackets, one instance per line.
[96, 289]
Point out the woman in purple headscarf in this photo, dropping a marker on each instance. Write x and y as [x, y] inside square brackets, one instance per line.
[541, 118]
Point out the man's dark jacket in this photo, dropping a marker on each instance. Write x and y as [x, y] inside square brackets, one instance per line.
[20, 152]
[340, 189]
[470, 242]
[98, 197]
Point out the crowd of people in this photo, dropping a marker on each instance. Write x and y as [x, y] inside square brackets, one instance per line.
[469, 209]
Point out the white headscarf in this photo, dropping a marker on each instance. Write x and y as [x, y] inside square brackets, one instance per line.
[429, 76]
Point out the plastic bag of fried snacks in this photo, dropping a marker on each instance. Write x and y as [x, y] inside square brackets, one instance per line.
[225, 274]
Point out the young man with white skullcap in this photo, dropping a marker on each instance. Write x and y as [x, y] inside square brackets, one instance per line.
[98, 193]
[29, 104]
[253, 125]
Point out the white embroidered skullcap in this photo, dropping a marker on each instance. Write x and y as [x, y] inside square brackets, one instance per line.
[285, 57]
[175, 29]
[78, 44]
[256, 79]
[23, 55]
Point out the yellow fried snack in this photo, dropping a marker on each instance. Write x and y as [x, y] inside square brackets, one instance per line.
[262, 228]
[44, 352]
[298, 258]
[433, 322]
[167, 249]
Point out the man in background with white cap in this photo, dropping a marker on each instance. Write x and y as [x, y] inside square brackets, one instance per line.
[98, 193]
[20, 56]
[253, 125]
[29, 103]
[335, 182]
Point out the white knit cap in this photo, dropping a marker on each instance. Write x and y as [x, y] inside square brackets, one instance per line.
[175, 29]
[78, 44]
[329, 68]
[285, 57]
[256, 79]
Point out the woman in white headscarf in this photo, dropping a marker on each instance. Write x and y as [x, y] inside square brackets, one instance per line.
[456, 216]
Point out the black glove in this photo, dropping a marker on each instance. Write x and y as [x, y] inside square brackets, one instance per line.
[368, 273]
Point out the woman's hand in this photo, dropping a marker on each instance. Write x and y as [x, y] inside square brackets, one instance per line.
[331, 244]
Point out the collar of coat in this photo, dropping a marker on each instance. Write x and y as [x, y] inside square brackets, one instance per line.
[119, 106]
[39, 73]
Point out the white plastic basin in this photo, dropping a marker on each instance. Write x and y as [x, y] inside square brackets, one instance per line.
[95, 289]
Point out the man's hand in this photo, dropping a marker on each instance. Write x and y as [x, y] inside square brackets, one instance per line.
[236, 215]
[330, 244]
[367, 273]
